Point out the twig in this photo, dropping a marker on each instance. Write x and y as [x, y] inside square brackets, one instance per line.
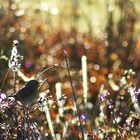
[42, 84]
[53, 66]
[74, 96]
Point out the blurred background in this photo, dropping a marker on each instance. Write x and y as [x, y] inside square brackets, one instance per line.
[107, 32]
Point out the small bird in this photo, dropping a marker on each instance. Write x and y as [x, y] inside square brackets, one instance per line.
[27, 94]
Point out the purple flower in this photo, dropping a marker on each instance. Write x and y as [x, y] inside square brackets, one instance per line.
[102, 98]
[83, 117]
[3, 96]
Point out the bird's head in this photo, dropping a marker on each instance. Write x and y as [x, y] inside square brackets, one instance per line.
[33, 83]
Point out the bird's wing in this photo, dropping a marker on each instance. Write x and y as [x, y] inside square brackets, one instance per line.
[24, 92]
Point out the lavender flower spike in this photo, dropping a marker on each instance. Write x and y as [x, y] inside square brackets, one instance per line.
[14, 62]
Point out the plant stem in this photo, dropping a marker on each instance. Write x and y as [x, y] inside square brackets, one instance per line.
[14, 87]
[74, 96]
[4, 79]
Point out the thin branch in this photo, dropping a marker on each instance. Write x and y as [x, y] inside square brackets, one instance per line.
[74, 96]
